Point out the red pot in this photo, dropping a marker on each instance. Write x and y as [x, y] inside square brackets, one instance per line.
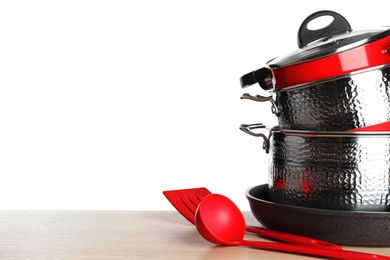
[332, 81]
[326, 53]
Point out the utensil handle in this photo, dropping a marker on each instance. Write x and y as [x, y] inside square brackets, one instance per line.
[311, 250]
[381, 127]
[291, 238]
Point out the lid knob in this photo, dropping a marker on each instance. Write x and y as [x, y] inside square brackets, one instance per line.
[338, 25]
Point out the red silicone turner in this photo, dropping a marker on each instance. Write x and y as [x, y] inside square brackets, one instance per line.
[186, 202]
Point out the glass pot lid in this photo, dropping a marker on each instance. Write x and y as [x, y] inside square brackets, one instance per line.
[324, 54]
[336, 37]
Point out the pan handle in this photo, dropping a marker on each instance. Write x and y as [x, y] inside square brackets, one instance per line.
[275, 110]
[247, 128]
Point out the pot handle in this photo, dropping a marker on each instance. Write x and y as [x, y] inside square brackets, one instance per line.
[247, 129]
[275, 110]
[261, 76]
[338, 25]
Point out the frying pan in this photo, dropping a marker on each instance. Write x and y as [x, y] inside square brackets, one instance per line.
[348, 228]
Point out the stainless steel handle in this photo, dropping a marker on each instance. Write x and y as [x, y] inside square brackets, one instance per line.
[247, 128]
[275, 110]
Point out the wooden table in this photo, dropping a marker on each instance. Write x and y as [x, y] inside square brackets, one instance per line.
[118, 235]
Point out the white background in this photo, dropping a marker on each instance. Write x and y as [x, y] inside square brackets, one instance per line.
[105, 104]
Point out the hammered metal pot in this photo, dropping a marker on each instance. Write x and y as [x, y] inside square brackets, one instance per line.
[328, 170]
[350, 102]
[337, 80]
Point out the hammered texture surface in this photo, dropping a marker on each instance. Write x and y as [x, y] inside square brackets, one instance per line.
[347, 103]
[347, 172]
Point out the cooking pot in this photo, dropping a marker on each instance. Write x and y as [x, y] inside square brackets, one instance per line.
[337, 80]
[327, 170]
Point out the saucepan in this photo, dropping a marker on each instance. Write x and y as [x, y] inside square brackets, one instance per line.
[337, 80]
[336, 170]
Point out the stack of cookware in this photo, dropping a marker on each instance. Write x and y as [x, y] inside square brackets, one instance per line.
[328, 95]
